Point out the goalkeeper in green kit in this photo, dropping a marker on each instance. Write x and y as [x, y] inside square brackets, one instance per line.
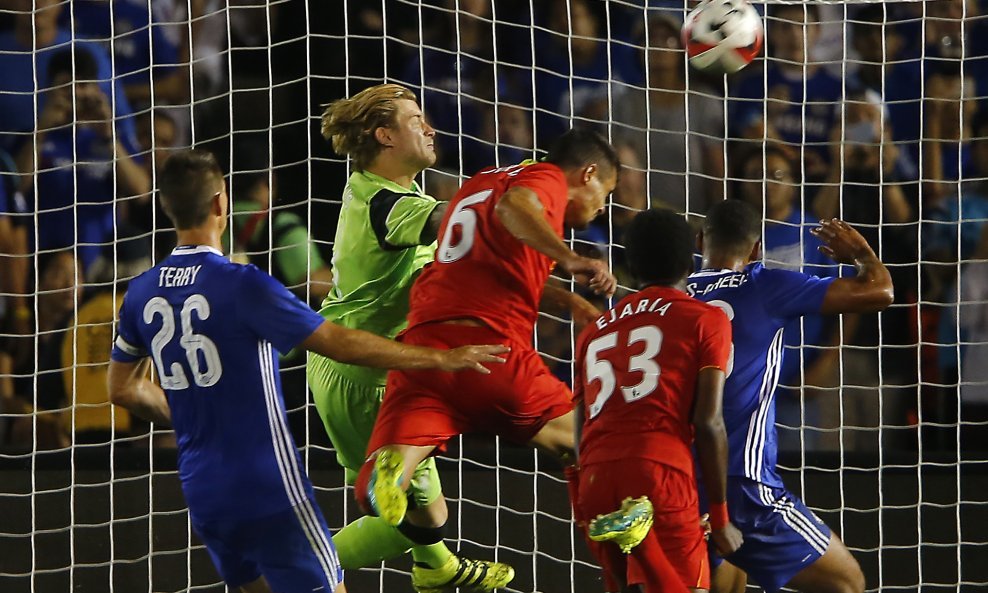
[386, 234]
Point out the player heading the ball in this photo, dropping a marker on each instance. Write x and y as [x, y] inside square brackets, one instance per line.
[500, 239]
[212, 328]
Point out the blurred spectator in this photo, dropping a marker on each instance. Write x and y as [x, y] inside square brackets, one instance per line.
[963, 212]
[144, 40]
[506, 137]
[863, 186]
[949, 109]
[15, 316]
[455, 62]
[85, 349]
[38, 381]
[962, 344]
[972, 329]
[672, 128]
[810, 361]
[771, 103]
[25, 54]
[157, 135]
[896, 76]
[573, 72]
[867, 193]
[630, 197]
[81, 165]
[274, 238]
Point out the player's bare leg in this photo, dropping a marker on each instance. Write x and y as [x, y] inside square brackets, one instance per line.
[835, 572]
[558, 437]
[728, 578]
[431, 516]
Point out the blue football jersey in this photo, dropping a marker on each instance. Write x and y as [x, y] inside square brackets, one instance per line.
[214, 329]
[759, 302]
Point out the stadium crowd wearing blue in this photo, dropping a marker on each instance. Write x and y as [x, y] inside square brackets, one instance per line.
[498, 87]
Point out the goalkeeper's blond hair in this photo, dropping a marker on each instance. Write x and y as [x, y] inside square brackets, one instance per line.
[349, 124]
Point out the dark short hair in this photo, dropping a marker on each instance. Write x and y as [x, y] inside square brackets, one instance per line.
[732, 226]
[580, 147]
[659, 247]
[61, 63]
[187, 186]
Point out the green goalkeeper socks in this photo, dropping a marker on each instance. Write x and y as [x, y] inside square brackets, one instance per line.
[367, 542]
[432, 555]
[370, 540]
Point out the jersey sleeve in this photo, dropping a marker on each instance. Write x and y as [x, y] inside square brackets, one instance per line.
[272, 312]
[399, 219]
[547, 182]
[127, 346]
[715, 334]
[786, 294]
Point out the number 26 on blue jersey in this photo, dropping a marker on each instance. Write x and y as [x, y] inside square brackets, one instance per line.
[172, 375]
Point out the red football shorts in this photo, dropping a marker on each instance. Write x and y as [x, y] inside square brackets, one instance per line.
[430, 407]
[673, 557]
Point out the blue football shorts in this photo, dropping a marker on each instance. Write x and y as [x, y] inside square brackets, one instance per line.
[782, 536]
[292, 549]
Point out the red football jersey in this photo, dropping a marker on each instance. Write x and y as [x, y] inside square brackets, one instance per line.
[636, 374]
[481, 270]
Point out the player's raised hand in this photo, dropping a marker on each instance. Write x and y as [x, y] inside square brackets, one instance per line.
[726, 540]
[842, 243]
[592, 273]
[473, 357]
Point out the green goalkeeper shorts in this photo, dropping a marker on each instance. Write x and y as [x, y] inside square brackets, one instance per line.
[348, 410]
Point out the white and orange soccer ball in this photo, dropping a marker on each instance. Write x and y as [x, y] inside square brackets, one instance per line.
[722, 36]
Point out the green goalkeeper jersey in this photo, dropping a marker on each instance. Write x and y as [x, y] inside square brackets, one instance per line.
[377, 254]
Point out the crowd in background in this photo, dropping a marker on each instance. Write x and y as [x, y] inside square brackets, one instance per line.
[867, 112]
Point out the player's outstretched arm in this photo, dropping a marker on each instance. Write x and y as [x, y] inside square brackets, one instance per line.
[130, 388]
[556, 299]
[869, 291]
[354, 346]
[520, 211]
[711, 452]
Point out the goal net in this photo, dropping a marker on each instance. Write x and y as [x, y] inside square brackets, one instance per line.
[868, 111]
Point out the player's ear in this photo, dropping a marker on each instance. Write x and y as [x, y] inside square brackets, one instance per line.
[589, 172]
[756, 251]
[383, 137]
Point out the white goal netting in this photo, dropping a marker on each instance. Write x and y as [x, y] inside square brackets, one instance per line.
[873, 112]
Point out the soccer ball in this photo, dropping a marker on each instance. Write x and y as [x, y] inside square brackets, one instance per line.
[722, 36]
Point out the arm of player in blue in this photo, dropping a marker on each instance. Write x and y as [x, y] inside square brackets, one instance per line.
[127, 346]
[272, 312]
[787, 294]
